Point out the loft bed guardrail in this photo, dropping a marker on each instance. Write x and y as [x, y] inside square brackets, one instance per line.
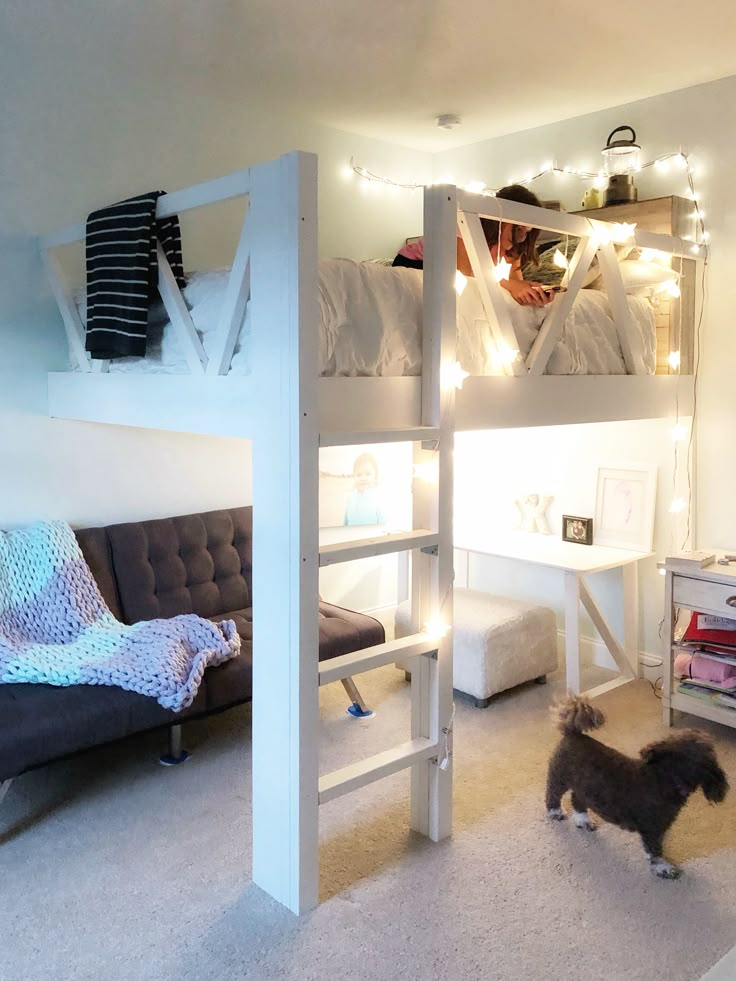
[487, 401]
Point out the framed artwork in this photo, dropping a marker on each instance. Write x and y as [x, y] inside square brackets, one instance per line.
[579, 530]
[624, 506]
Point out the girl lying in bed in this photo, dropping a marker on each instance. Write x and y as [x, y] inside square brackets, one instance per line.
[514, 243]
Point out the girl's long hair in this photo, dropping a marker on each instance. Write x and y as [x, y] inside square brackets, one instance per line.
[525, 250]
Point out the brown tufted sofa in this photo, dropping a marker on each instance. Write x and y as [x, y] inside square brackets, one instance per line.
[197, 563]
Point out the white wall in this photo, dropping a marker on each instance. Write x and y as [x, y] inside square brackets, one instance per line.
[70, 143]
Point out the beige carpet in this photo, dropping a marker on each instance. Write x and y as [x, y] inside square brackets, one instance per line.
[112, 867]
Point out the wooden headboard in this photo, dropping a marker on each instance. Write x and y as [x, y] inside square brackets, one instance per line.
[675, 318]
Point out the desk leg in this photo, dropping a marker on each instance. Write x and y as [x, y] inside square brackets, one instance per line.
[572, 632]
[631, 615]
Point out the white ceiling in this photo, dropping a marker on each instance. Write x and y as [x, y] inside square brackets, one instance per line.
[386, 68]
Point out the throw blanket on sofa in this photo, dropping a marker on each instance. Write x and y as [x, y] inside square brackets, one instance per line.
[56, 629]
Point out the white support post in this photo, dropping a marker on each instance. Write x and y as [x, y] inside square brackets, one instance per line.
[179, 315]
[431, 785]
[572, 632]
[233, 305]
[283, 213]
[670, 620]
[491, 293]
[629, 340]
[551, 329]
[75, 332]
[630, 587]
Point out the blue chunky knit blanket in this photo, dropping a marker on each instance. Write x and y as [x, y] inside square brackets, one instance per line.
[55, 628]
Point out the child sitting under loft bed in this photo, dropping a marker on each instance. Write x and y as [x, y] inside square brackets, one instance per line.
[514, 243]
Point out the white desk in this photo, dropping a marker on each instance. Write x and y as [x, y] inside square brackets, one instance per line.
[576, 561]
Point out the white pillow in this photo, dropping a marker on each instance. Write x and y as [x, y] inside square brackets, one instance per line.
[637, 274]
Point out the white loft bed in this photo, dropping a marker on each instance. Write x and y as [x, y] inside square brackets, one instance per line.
[192, 403]
[289, 413]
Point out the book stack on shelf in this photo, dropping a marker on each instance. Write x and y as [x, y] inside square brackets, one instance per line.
[705, 661]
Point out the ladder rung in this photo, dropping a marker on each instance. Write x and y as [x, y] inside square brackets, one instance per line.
[361, 548]
[357, 662]
[404, 435]
[360, 774]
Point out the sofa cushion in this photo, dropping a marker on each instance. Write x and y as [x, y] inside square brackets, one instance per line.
[39, 723]
[343, 631]
[243, 622]
[230, 683]
[197, 563]
[95, 547]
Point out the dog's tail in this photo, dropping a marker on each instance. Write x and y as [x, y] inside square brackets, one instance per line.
[576, 714]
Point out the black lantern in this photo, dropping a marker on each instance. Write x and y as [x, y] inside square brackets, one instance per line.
[621, 158]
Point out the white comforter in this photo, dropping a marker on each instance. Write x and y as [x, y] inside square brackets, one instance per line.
[370, 324]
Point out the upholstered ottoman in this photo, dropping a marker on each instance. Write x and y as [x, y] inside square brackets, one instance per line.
[498, 643]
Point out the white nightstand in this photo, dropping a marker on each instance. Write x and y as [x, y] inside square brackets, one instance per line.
[708, 590]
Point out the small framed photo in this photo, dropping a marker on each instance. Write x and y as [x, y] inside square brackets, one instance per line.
[579, 530]
[624, 506]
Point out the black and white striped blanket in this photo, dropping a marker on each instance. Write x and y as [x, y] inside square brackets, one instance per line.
[122, 273]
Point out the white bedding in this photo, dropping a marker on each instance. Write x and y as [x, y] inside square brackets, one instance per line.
[370, 324]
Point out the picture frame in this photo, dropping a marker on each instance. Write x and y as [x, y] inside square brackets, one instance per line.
[624, 506]
[577, 530]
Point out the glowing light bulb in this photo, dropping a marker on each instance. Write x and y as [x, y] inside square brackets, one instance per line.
[662, 165]
[706, 236]
[600, 183]
[678, 505]
[426, 471]
[662, 571]
[560, 259]
[506, 354]
[461, 282]
[681, 160]
[679, 433]
[695, 249]
[674, 360]
[435, 628]
[546, 167]
[502, 270]
[475, 187]
[622, 231]
[459, 374]
[347, 171]
[672, 289]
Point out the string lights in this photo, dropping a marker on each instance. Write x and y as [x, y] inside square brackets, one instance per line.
[675, 160]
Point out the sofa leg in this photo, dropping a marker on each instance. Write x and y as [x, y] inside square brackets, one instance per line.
[541, 680]
[482, 703]
[358, 709]
[5, 787]
[174, 754]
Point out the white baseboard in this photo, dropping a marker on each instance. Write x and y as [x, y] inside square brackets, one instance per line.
[594, 651]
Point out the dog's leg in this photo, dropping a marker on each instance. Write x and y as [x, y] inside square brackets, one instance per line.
[580, 814]
[556, 787]
[653, 845]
